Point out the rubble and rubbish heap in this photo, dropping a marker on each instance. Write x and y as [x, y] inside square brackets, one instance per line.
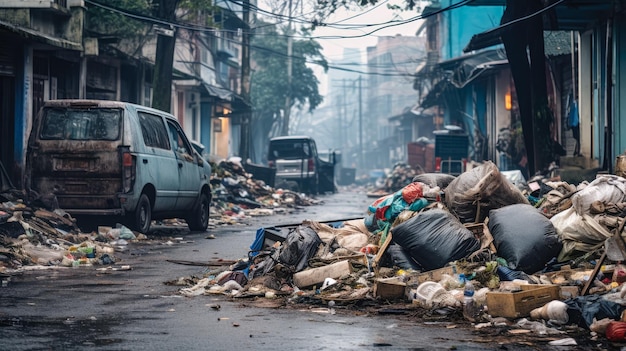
[35, 233]
[237, 194]
[480, 249]
[400, 175]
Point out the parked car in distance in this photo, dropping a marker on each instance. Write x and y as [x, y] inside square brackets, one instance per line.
[297, 163]
[117, 161]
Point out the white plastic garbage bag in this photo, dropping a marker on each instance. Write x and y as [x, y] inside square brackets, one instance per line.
[579, 233]
[606, 188]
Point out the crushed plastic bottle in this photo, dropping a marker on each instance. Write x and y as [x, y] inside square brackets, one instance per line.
[470, 309]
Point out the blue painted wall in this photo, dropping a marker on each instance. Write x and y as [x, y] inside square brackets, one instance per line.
[460, 24]
[205, 125]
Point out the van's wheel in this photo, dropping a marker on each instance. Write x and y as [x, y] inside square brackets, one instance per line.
[199, 219]
[142, 217]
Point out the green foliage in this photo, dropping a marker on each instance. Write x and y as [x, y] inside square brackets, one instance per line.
[198, 11]
[269, 81]
[196, 5]
[327, 7]
[105, 21]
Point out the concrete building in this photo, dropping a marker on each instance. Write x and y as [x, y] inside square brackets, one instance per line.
[47, 51]
[388, 93]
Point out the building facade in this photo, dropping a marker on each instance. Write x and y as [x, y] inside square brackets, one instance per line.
[47, 51]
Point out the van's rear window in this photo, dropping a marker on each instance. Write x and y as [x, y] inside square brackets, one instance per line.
[81, 124]
[289, 149]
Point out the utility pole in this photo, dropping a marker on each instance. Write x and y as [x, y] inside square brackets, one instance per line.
[361, 162]
[246, 110]
[285, 130]
[164, 62]
[342, 115]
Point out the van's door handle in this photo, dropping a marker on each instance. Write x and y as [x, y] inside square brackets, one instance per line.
[145, 161]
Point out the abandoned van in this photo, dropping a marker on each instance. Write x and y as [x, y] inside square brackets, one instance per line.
[109, 159]
[298, 165]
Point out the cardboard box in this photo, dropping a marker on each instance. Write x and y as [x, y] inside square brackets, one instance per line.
[389, 288]
[519, 303]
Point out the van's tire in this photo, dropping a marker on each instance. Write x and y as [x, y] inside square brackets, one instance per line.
[141, 219]
[199, 219]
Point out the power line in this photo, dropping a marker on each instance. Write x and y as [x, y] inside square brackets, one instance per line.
[154, 20]
[393, 24]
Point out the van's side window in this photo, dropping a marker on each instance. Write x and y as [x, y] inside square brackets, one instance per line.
[179, 143]
[153, 131]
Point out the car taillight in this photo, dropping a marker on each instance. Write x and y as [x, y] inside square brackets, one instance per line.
[127, 159]
[271, 164]
[437, 164]
[311, 165]
[128, 171]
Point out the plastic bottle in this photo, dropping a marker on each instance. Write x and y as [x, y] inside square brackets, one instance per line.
[470, 310]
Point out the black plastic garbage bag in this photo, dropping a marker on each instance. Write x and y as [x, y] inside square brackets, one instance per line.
[397, 256]
[301, 244]
[524, 237]
[434, 238]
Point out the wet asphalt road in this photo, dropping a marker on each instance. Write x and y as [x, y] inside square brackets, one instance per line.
[86, 309]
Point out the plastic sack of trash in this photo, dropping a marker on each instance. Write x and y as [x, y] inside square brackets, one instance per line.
[524, 237]
[582, 310]
[474, 193]
[578, 233]
[606, 188]
[397, 256]
[440, 180]
[434, 238]
[300, 245]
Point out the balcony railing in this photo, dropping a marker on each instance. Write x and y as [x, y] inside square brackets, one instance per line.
[32, 4]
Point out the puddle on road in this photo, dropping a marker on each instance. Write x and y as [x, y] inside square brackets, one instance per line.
[22, 334]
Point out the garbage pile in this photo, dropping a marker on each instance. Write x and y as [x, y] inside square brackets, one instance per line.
[237, 194]
[401, 175]
[35, 233]
[478, 249]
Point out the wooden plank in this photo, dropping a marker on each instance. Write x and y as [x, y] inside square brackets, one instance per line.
[594, 274]
[381, 252]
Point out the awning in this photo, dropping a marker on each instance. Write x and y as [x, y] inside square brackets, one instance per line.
[219, 92]
[571, 15]
[460, 71]
[29, 33]
[464, 69]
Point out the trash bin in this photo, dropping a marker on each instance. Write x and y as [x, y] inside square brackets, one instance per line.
[346, 176]
[266, 174]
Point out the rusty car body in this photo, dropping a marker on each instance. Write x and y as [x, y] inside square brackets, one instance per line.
[110, 159]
